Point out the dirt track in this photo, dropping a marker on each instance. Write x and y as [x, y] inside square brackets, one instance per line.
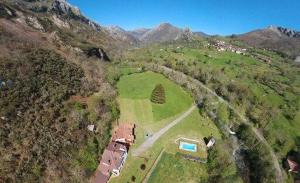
[150, 141]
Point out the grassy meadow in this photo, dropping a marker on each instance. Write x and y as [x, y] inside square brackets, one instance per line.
[176, 169]
[140, 86]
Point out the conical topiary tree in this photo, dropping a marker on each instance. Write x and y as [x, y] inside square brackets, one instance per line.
[158, 95]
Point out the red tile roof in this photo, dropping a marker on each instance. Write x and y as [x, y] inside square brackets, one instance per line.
[293, 165]
[112, 158]
[100, 177]
[124, 133]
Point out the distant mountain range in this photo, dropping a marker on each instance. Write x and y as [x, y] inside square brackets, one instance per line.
[273, 37]
[277, 38]
[162, 33]
[65, 16]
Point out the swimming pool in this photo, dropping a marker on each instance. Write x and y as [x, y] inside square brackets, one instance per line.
[188, 146]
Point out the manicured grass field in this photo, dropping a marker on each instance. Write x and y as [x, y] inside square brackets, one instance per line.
[141, 85]
[176, 169]
[136, 111]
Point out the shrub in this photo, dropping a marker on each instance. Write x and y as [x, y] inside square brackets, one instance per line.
[143, 166]
[133, 178]
[158, 95]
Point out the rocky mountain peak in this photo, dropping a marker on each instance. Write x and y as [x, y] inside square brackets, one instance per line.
[141, 30]
[284, 31]
[165, 26]
[116, 28]
[63, 7]
[119, 33]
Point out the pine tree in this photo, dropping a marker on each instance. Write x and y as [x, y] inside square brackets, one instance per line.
[158, 95]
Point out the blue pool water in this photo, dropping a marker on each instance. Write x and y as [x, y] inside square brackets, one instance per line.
[188, 147]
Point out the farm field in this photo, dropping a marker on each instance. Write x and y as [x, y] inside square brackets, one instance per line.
[135, 105]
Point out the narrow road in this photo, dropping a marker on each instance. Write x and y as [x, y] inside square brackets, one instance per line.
[260, 137]
[150, 141]
[278, 175]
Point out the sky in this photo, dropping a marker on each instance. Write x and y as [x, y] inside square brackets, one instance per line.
[223, 17]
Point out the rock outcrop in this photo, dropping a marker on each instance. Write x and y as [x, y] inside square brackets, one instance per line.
[6, 12]
[138, 33]
[33, 21]
[98, 53]
[121, 34]
[276, 38]
[289, 32]
[62, 7]
[297, 59]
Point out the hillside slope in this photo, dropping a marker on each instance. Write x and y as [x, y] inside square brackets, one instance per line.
[49, 53]
[164, 32]
[277, 38]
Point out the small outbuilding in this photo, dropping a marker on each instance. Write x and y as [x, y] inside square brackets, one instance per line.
[294, 167]
[211, 142]
[91, 128]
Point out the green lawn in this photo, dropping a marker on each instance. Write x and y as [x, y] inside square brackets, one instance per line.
[136, 107]
[136, 111]
[140, 86]
[176, 169]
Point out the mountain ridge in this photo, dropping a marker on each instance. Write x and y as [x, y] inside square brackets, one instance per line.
[67, 16]
[277, 38]
[164, 32]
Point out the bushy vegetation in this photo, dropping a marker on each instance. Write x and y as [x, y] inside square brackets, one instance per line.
[40, 135]
[257, 157]
[31, 131]
[44, 136]
[158, 95]
[220, 166]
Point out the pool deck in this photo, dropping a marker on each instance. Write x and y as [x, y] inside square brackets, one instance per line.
[201, 147]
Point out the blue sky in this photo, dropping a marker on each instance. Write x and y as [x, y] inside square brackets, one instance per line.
[222, 17]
